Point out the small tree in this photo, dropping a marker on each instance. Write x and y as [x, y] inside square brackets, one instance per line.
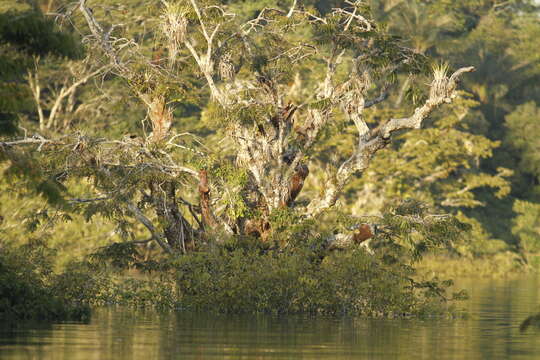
[526, 227]
[272, 85]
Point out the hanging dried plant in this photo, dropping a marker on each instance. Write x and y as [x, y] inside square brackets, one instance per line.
[174, 26]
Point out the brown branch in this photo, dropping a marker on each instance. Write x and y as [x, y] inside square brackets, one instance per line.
[193, 211]
[296, 184]
[204, 192]
[177, 230]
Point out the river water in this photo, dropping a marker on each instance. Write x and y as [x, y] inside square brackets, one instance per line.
[491, 331]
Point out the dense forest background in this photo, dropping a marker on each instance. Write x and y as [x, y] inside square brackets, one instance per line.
[477, 158]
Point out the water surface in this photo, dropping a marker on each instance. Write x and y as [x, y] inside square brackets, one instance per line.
[495, 309]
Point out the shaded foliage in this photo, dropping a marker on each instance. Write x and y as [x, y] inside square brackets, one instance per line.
[29, 290]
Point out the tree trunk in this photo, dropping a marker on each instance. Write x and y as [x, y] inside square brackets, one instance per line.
[177, 230]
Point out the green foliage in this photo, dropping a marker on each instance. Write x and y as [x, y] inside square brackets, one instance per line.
[527, 225]
[478, 242]
[523, 124]
[283, 282]
[443, 170]
[26, 34]
[158, 293]
[438, 166]
[120, 255]
[293, 272]
[499, 39]
[301, 275]
[414, 225]
[32, 33]
[28, 289]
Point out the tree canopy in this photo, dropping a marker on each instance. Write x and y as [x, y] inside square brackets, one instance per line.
[189, 124]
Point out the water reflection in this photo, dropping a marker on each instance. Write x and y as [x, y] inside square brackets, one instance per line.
[496, 309]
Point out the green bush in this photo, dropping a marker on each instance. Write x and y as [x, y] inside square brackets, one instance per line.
[27, 290]
[295, 270]
[527, 225]
[281, 282]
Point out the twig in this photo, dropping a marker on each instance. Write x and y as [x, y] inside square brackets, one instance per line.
[76, 200]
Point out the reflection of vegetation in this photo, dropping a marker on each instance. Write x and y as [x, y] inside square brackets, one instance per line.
[491, 332]
[531, 321]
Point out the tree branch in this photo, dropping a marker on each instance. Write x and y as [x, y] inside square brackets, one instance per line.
[442, 90]
[137, 213]
[99, 33]
[291, 11]
[33, 83]
[204, 192]
[66, 92]
[369, 103]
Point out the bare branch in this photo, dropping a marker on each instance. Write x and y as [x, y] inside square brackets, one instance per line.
[442, 90]
[291, 11]
[97, 30]
[82, 201]
[137, 213]
[383, 96]
[65, 92]
[35, 139]
[33, 82]
[199, 16]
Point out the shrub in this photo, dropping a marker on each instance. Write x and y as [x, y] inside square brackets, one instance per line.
[282, 282]
[26, 289]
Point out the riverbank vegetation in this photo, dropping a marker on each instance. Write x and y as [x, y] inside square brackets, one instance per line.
[266, 156]
[29, 287]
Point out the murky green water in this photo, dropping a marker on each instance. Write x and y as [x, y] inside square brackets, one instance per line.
[496, 309]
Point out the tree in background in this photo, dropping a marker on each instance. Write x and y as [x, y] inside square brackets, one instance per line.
[25, 36]
[47, 88]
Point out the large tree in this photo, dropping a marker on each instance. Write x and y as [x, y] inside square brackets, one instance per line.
[270, 87]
